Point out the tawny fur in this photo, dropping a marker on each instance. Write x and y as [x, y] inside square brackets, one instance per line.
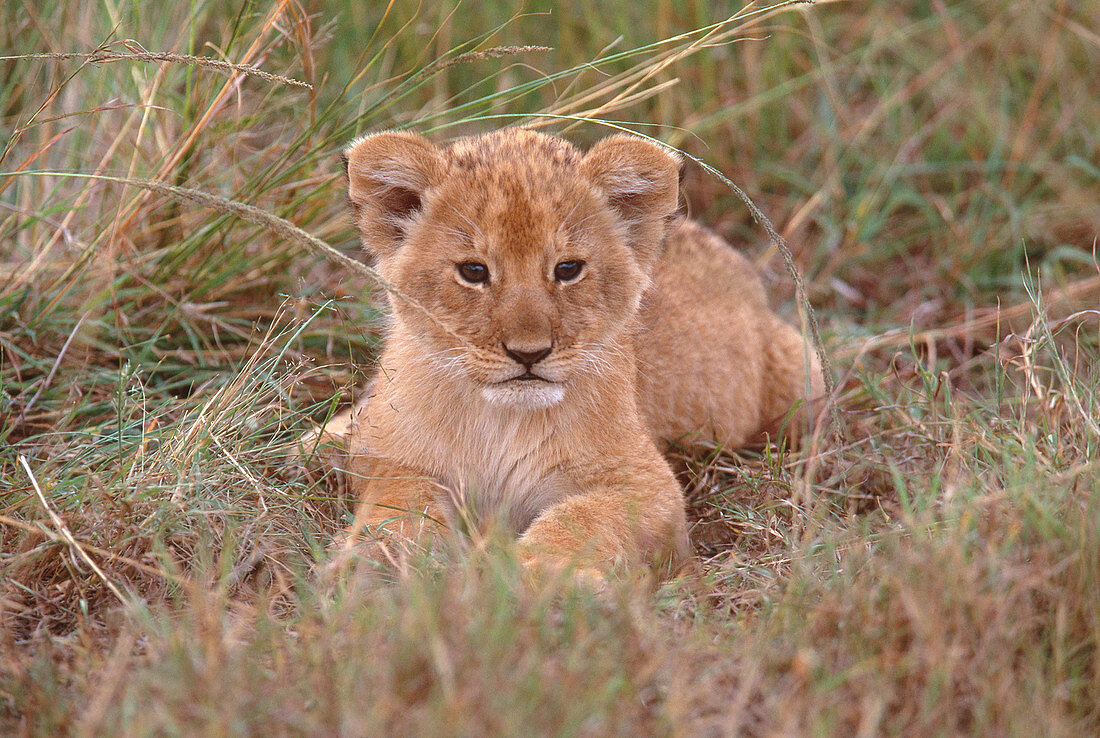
[665, 336]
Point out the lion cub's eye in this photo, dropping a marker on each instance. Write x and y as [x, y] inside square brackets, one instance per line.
[473, 272]
[568, 271]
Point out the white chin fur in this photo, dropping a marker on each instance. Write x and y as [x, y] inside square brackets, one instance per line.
[531, 395]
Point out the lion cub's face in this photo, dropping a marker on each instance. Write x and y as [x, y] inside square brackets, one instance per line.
[528, 257]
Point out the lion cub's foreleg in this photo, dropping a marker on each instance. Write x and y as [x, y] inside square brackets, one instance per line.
[641, 522]
[397, 505]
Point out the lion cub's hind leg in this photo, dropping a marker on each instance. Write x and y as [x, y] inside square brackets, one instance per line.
[327, 444]
[792, 376]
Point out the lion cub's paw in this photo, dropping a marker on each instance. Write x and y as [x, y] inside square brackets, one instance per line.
[353, 555]
[540, 570]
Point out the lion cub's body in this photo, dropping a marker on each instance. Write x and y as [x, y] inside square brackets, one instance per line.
[553, 322]
[715, 364]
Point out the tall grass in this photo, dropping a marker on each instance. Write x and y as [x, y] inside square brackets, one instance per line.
[935, 570]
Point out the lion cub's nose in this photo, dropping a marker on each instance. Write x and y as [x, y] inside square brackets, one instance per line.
[528, 357]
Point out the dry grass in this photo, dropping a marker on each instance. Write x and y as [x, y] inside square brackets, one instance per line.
[934, 571]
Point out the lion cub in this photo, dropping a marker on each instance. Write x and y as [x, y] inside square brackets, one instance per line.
[552, 323]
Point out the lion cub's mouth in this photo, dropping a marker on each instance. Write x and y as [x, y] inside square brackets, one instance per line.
[529, 377]
[527, 390]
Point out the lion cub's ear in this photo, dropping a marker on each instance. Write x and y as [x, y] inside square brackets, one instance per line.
[388, 174]
[642, 183]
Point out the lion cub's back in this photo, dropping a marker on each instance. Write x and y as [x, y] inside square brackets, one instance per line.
[701, 348]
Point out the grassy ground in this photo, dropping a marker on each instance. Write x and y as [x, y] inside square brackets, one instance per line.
[934, 569]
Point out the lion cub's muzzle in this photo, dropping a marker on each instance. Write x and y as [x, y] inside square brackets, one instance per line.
[530, 389]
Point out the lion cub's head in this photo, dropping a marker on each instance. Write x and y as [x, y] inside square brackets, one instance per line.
[530, 255]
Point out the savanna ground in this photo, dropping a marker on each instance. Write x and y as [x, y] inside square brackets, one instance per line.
[929, 563]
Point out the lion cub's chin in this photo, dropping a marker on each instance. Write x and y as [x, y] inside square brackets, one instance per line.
[529, 395]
